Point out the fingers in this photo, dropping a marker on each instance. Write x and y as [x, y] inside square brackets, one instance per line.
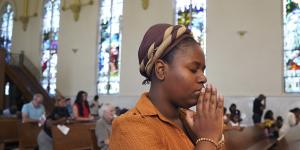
[206, 99]
[200, 101]
[189, 117]
[213, 99]
[220, 105]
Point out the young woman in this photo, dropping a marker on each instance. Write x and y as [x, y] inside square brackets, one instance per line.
[81, 109]
[173, 62]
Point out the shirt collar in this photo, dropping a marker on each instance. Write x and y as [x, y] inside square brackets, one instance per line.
[146, 108]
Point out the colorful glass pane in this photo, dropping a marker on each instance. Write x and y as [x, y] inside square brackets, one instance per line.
[109, 47]
[192, 13]
[291, 20]
[6, 22]
[51, 15]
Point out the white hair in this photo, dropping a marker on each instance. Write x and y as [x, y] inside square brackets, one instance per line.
[104, 108]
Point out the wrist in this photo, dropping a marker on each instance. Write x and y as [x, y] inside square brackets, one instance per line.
[218, 144]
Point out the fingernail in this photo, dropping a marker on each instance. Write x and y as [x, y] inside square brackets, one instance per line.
[202, 90]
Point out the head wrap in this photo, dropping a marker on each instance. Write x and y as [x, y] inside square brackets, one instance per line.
[158, 41]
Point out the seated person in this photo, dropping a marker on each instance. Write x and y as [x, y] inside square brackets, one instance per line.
[293, 118]
[81, 109]
[69, 106]
[94, 107]
[226, 116]
[232, 108]
[235, 118]
[227, 124]
[269, 118]
[103, 125]
[34, 110]
[59, 115]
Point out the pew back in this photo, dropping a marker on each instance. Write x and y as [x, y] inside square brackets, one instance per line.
[78, 137]
[28, 133]
[8, 130]
[240, 140]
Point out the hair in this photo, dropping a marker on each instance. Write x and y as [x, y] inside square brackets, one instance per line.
[231, 108]
[38, 95]
[96, 97]
[261, 97]
[78, 102]
[104, 108]
[295, 110]
[269, 115]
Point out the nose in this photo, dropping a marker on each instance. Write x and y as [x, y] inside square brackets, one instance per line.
[202, 78]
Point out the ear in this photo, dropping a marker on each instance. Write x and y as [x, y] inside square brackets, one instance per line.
[160, 69]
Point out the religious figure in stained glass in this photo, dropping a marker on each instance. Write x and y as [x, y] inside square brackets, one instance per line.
[192, 13]
[49, 47]
[291, 19]
[109, 46]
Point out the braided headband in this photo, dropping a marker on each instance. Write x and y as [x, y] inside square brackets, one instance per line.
[154, 53]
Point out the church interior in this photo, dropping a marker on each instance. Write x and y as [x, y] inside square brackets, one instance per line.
[56, 49]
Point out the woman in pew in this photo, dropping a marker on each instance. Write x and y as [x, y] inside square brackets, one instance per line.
[173, 62]
[81, 109]
[59, 115]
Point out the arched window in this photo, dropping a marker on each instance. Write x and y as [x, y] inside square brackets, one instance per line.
[291, 21]
[192, 13]
[6, 21]
[49, 47]
[109, 46]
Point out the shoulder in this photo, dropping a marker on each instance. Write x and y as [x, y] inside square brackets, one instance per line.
[25, 107]
[134, 122]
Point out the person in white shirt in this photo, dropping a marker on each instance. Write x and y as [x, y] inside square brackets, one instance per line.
[293, 118]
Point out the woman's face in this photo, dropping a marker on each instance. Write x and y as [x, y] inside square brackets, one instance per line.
[84, 96]
[185, 76]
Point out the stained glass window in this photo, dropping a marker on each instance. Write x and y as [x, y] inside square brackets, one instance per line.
[192, 13]
[109, 46]
[291, 20]
[49, 47]
[6, 22]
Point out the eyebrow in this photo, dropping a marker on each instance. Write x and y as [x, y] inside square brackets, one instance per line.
[198, 64]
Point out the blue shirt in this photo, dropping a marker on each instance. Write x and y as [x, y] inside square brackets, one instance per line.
[33, 112]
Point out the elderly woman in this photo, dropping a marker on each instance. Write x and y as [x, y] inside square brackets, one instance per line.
[103, 125]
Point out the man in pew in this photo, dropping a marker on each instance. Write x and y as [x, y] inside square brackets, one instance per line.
[59, 115]
[103, 125]
[34, 110]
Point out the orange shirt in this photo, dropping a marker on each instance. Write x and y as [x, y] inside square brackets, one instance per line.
[145, 128]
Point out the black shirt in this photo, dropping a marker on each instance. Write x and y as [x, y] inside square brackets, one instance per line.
[57, 113]
[257, 105]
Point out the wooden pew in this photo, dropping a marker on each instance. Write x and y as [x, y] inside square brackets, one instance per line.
[290, 141]
[241, 140]
[8, 130]
[78, 137]
[28, 133]
[94, 139]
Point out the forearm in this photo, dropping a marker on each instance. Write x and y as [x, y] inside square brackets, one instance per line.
[28, 120]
